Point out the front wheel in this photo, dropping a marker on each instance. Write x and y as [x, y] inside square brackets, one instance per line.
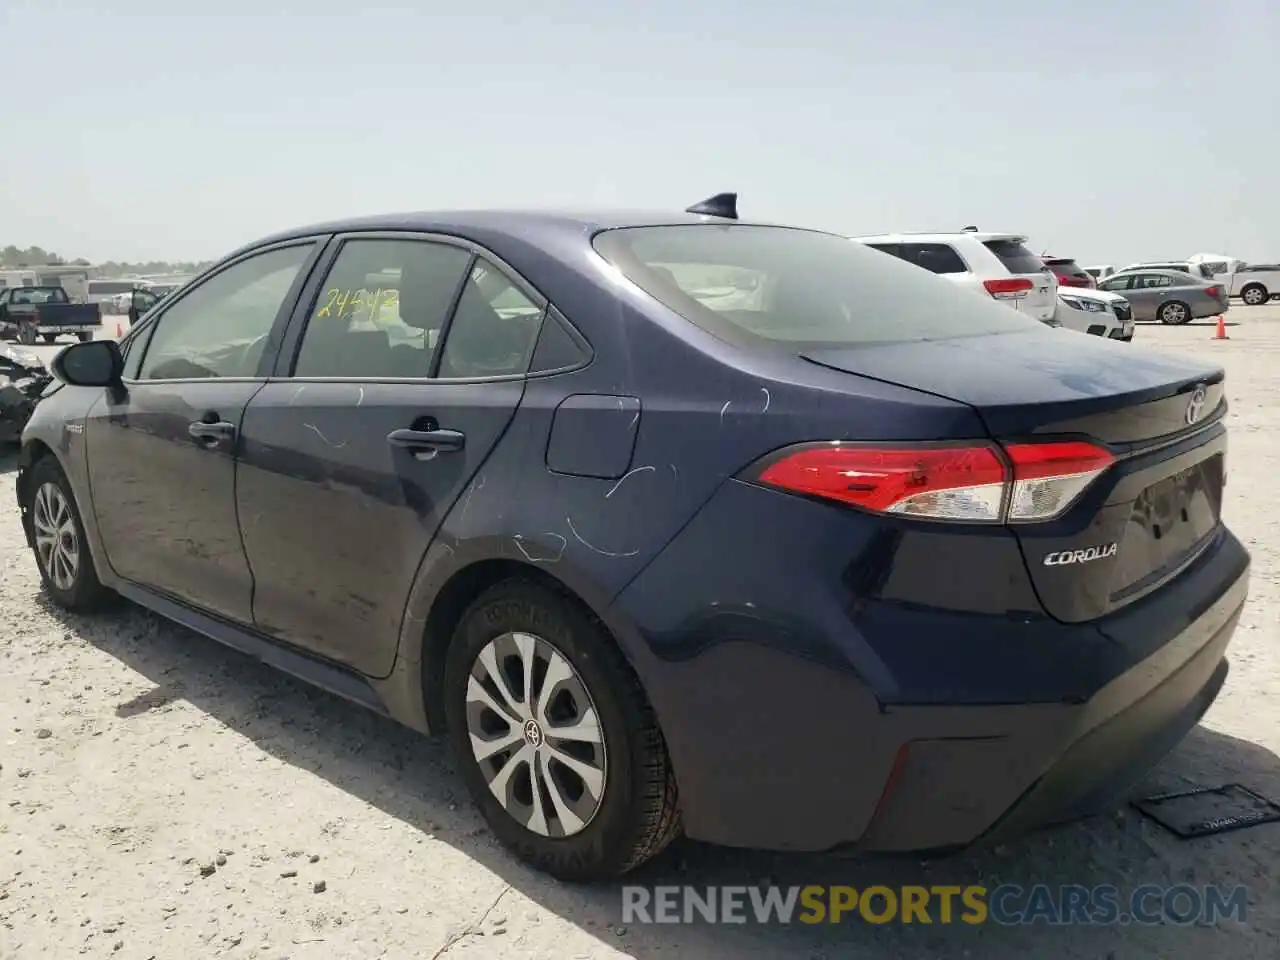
[554, 736]
[48, 337]
[1255, 295]
[1175, 313]
[84, 337]
[66, 565]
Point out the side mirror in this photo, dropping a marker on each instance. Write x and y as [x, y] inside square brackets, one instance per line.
[96, 363]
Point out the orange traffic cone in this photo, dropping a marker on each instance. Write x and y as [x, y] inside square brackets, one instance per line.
[1221, 333]
[119, 330]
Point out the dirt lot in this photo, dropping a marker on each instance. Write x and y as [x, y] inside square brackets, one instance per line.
[165, 797]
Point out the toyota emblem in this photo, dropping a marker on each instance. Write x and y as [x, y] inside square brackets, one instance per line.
[1195, 409]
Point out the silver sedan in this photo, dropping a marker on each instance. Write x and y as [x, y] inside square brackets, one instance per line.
[1169, 296]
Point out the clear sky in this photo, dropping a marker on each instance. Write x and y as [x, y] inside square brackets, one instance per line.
[1108, 131]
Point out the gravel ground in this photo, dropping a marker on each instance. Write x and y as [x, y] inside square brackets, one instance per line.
[166, 797]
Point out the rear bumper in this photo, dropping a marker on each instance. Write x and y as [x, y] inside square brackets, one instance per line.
[950, 792]
[839, 727]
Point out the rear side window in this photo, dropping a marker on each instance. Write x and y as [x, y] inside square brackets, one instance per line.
[763, 285]
[494, 328]
[1015, 257]
[934, 257]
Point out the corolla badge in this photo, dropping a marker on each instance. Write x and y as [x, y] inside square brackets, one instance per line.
[1195, 408]
[1088, 555]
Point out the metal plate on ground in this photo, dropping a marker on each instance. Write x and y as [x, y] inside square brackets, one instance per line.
[1208, 810]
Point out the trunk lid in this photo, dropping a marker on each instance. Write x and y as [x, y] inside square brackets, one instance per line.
[1144, 520]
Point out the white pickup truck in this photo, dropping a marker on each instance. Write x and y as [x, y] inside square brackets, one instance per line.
[1254, 283]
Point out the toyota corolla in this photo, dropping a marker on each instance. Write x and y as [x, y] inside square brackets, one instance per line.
[671, 522]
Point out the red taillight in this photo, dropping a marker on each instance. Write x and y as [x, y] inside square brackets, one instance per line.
[973, 483]
[1048, 477]
[1008, 287]
[1212, 291]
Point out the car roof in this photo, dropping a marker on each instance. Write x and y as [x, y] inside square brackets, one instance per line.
[1158, 272]
[525, 224]
[939, 237]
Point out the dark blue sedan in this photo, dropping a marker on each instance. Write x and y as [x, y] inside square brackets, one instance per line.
[672, 522]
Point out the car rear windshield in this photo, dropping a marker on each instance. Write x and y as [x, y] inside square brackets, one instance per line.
[1066, 266]
[38, 295]
[788, 287]
[1015, 257]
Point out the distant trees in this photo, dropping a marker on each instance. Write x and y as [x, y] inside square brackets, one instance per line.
[12, 256]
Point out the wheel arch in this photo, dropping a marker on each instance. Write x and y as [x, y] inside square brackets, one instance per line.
[32, 451]
[450, 602]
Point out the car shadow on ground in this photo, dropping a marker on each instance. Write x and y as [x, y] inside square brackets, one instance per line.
[411, 778]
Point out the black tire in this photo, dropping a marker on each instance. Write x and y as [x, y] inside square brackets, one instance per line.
[1174, 313]
[48, 337]
[1255, 295]
[26, 332]
[638, 813]
[84, 337]
[85, 591]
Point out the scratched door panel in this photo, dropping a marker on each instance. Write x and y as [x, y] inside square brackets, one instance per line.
[336, 519]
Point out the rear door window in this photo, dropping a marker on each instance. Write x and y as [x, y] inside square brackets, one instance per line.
[381, 310]
[494, 327]
[793, 289]
[934, 257]
[1015, 256]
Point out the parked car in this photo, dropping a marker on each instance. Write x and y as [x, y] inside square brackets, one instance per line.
[874, 561]
[106, 292]
[1170, 296]
[1100, 272]
[995, 265]
[29, 313]
[1199, 270]
[1255, 283]
[1095, 312]
[23, 377]
[135, 303]
[1070, 273]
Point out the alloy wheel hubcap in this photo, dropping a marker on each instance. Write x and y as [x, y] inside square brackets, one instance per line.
[1174, 313]
[57, 543]
[1253, 297]
[536, 735]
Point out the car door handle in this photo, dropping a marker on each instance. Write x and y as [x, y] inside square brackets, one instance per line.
[423, 441]
[210, 433]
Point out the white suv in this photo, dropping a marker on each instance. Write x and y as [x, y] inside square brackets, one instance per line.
[996, 265]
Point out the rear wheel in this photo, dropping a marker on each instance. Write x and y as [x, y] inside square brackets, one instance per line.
[66, 565]
[26, 332]
[1255, 294]
[85, 337]
[49, 337]
[1174, 313]
[554, 736]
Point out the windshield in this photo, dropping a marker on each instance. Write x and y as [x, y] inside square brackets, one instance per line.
[783, 286]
